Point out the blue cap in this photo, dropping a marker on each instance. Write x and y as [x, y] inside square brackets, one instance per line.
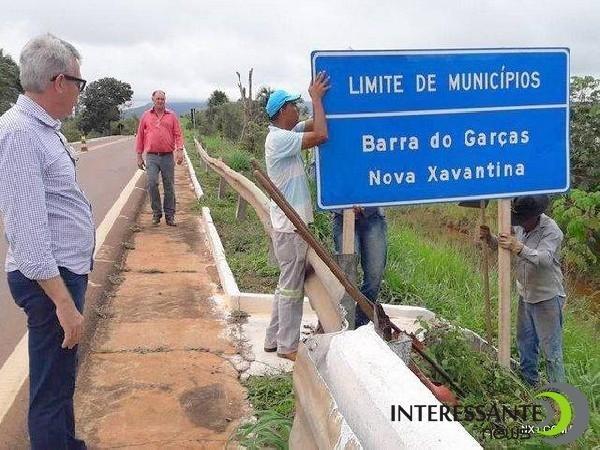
[277, 99]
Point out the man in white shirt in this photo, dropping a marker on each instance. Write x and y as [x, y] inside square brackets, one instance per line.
[285, 168]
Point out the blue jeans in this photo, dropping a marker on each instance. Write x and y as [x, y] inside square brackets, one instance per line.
[540, 325]
[52, 369]
[370, 241]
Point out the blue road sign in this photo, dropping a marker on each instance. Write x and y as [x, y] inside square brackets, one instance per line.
[443, 125]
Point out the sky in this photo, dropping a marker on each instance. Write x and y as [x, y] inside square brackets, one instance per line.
[190, 48]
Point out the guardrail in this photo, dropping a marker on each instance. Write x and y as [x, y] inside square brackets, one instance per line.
[322, 288]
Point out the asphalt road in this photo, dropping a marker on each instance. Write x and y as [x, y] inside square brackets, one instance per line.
[102, 172]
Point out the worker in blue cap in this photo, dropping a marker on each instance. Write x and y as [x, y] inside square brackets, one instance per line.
[287, 136]
[536, 246]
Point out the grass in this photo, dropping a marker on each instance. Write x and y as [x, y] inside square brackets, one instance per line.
[272, 393]
[273, 400]
[439, 271]
[442, 274]
[245, 242]
[271, 430]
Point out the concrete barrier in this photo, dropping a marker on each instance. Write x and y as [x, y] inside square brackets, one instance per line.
[346, 385]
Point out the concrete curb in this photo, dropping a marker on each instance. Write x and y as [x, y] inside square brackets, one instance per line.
[192, 172]
[216, 247]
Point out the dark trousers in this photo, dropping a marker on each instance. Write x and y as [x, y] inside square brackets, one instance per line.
[165, 165]
[370, 242]
[52, 369]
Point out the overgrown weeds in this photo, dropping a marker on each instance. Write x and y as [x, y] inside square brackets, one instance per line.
[273, 400]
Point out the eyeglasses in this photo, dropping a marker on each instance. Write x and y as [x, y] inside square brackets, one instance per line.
[81, 82]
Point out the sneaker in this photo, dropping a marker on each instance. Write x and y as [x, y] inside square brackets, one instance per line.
[155, 220]
[270, 350]
[171, 222]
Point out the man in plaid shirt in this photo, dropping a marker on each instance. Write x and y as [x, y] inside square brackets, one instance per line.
[50, 231]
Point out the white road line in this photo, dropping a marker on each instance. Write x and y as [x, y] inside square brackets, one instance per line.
[12, 375]
[114, 212]
[16, 368]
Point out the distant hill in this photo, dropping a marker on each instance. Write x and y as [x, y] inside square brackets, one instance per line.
[179, 107]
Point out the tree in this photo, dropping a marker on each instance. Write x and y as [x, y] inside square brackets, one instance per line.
[585, 132]
[247, 102]
[100, 104]
[228, 120]
[69, 127]
[216, 99]
[10, 86]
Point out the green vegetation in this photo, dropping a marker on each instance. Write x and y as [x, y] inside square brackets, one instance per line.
[584, 132]
[425, 268]
[245, 243]
[578, 215]
[433, 262]
[100, 103]
[441, 274]
[273, 400]
[483, 381]
[10, 86]
[272, 393]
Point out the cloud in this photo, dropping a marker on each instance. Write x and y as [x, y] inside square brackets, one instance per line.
[189, 48]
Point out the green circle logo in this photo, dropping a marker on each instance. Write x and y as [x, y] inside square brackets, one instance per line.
[573, 413]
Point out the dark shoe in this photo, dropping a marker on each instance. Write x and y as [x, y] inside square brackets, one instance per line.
[270, 350]
[291, 356]
[171, 222]
[155, 220]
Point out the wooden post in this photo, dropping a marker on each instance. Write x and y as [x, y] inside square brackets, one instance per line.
[222, 188]
[486, 277]
[347, 260]
[504, 226]
[240, 210]
[348, 232]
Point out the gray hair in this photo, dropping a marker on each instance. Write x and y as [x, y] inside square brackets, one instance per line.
[42, 58]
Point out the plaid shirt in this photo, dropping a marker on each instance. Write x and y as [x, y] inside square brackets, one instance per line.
[47, 219]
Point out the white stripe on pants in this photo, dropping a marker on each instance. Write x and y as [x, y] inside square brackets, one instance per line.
[284, 330]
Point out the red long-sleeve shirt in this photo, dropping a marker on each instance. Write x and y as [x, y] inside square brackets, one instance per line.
[158, 134]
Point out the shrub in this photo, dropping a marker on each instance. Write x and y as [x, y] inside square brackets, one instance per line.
[239, 160]
[578, 215]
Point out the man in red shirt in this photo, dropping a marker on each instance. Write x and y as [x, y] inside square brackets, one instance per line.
[159, 135]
